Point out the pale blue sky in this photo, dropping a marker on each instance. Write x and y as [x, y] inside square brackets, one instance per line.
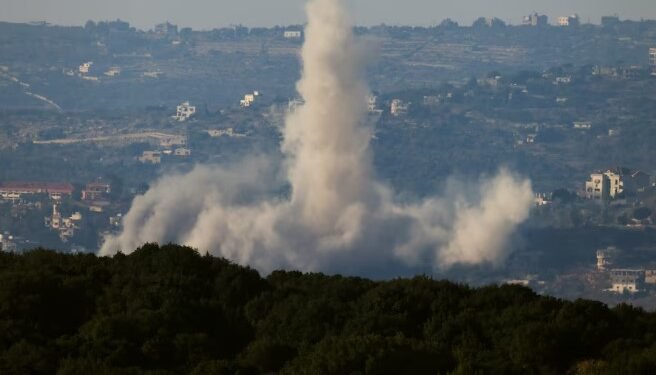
[207, 14]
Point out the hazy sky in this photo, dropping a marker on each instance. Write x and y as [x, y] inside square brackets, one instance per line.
[207, 14]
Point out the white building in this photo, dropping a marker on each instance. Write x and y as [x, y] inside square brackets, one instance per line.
[612, 183]
[220, 132]
[607, 257]
[153, 74]
[563, 80]
[249, 99]
[372, 103]
[84, 68]
[535, 20]
[182, 152]
[113, 71]
[626, 281]
[293, 34]
[650, 276]
[652, 60]
[582, 125]
[597, 187]
[184, 111]
[229, 132]
[152, 157]
[572, 20]
[541, 199]
[173, 140]
[398, 107]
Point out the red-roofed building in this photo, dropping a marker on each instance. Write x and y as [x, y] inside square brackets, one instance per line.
[56, 190]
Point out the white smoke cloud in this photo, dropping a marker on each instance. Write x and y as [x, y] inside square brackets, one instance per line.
[337, 217]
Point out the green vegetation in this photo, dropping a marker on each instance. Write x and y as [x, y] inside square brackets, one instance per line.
[168, 310]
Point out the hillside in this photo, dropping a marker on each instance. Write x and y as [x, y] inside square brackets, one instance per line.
[169, 310]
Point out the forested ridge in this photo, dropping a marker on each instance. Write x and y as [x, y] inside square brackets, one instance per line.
[170, 310]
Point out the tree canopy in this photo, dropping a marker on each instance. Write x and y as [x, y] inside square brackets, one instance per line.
[169, 310]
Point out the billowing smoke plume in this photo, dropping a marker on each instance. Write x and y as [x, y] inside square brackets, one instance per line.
[337, 216]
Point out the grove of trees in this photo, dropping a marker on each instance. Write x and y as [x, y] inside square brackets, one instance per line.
[169, 310]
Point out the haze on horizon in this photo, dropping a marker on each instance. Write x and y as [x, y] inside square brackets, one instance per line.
[208, 14]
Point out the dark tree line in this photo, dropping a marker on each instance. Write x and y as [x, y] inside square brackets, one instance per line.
[169, 310]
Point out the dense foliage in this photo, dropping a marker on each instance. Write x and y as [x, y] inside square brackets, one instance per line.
[168, 310]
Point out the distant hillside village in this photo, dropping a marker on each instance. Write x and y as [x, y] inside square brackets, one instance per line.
[91, 116]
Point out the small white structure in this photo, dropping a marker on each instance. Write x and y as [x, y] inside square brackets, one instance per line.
[229, 132]
[173, 140]
[85, 67]
[220, 132]
[563, 80]
[541, 199]
[152, 157]
[614, 132]
[249, 99]
[372, 103]
[583, 125]
[652, 60]
[153, 74]
[182, 152]
[650, 276]
[572, 20]
[114, 71]
[626, 281]
[184, 112]
[398, 107]
[293, 34]
[607, 257]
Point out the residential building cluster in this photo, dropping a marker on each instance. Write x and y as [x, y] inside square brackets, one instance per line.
[536, 20]
[85, 67]
[615, 183]
[249, 99]
[66, 226]
[156, 156]
[184, 112]
[623, 280]
[151, 157]
[398, 107]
